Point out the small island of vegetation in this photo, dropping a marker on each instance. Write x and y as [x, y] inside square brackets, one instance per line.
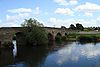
[34, 33]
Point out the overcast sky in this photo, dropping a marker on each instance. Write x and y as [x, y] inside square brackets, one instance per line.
[50, 12]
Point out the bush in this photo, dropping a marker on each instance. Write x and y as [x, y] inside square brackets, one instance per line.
[58, 38]
[64, 38]
[34, 33]
[14, 37]
[87, 39]
[7, 44]
[72, 35]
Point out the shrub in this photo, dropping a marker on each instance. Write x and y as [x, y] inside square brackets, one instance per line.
[64, 38]
[87, 38]
[7, 44]
[34, 33]
[58, 38]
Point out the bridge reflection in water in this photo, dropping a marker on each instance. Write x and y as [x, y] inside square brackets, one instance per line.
[69, 54]
[23, 56]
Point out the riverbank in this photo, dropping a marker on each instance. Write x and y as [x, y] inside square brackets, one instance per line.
[84, 37]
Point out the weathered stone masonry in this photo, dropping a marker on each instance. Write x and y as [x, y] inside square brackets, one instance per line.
[7, 33]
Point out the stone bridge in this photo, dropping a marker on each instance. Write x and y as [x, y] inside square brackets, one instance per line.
[7, 33]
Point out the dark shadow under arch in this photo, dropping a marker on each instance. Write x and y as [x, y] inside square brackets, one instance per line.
[50, 37]
[65, 34]
[58, 34]
[58, 37]
[19, 38]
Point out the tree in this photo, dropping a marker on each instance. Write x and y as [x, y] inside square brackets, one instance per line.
[34, 33]
[31, 22]
[79, 27]
[63, 27]
[72, 27]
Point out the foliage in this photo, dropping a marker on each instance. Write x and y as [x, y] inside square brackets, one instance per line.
[14, 37]
[31, 22]
[63, 27]
[64, 38]
[87, 39]
[79, 27]
[7, 45]
[72, 35]
[72, 27]
[58, 38]
[34, 33]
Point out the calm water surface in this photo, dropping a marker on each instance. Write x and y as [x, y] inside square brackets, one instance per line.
[69, 54]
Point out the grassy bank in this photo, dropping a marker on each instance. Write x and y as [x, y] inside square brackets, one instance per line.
[83, 37]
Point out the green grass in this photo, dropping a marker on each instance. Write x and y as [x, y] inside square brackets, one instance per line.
[75, 35]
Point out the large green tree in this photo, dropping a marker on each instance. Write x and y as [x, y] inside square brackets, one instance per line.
[79, 27]
[34, 32]
[72, 27]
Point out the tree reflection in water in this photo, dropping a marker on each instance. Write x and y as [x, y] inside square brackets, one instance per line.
[32, 57]
[25, 56]
[6, 57]
[68, 54]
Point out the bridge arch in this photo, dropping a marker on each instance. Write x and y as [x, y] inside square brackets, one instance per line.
[58, 34]
[66, 34]
[19, 38]
[7, 33]
[50, 36]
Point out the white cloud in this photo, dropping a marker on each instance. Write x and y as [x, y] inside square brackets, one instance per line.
[98, 18]
[64, 11]
[36, 11]
[67, 22]
[20, 10]
[65, 54]
[90, 51]
[17, 17]
[71, 52]
[88, 14]
[9, 24]
[61, 2]
[53, 21]
[65, 2]
[88, 8]
[87, 23]
[73, 2]
[60, 22]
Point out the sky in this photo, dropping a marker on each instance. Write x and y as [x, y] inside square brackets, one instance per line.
[51, 13]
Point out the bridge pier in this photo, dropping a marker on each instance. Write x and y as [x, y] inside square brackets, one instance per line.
[6, 39]
[20, 39]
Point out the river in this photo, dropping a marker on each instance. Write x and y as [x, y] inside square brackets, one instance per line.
[67, 54]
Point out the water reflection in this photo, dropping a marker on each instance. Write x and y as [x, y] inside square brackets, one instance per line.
[73, 55]
[31, 57]
[6, 57]
[69, 54]
[15, 49]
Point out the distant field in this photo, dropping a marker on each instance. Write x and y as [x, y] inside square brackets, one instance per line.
[77, 35]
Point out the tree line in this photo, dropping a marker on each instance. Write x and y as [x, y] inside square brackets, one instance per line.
[80, 27]
[77, 27]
